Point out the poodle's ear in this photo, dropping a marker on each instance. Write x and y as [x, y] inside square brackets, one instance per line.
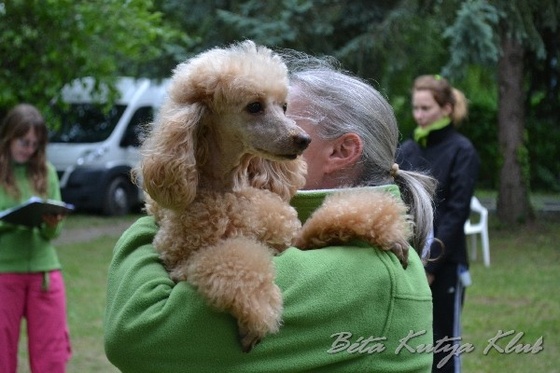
[283, 178]
[168, 166]
[195, 81]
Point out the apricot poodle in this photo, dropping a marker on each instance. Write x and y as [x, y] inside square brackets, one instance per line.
[219, 167]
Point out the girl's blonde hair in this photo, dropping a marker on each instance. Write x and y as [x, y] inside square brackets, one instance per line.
[444, 94]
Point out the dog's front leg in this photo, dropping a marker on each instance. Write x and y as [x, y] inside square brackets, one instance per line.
[375, 217]
[237, 276]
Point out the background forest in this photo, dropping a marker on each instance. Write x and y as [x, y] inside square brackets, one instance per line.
[504, 55]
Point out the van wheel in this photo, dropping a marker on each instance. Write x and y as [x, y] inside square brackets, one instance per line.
[117, 198]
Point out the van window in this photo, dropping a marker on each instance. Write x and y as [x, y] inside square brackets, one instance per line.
[141, 118]
[86, 123]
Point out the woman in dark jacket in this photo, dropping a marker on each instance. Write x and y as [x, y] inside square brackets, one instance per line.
[450, 157]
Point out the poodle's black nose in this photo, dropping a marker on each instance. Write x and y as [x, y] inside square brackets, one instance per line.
[302, 141]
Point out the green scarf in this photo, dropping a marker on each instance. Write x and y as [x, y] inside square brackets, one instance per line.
[421, 133]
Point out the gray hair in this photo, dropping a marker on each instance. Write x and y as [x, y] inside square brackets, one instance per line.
[339, 103]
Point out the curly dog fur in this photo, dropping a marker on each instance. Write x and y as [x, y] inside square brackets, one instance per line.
[369, 215]
[219, 166]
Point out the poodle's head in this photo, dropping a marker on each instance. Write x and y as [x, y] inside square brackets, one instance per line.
[224, 123]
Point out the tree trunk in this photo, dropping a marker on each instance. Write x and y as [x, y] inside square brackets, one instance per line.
[513, 206]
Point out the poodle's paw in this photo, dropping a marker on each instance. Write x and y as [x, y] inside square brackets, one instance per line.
[237, 276]
[371, 216]
[263, 317]
[266, 217]
[250, 337]
[178, 274]
[401, 252]
[248, 340]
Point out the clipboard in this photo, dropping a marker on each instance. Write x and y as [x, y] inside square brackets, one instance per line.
[30, 213]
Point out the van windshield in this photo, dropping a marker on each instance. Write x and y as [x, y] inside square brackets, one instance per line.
[86, 123]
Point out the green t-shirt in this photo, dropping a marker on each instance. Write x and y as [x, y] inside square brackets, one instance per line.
[346, 309]
[26, 250]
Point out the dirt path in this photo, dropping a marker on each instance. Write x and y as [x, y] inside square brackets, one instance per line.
[74, 235]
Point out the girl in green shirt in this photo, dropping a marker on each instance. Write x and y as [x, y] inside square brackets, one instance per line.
[31, 284]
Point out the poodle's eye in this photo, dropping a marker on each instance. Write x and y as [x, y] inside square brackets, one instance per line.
[285, 107]
[255, 107]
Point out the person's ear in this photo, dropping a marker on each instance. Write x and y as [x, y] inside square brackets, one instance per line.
[447, 109]
[346, 151]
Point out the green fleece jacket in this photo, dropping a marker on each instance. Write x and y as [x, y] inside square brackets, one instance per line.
[22, 249]
[346, 309]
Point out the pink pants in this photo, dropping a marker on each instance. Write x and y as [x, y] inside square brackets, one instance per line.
[43, 305]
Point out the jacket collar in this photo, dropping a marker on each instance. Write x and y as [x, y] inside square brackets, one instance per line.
[307, 201]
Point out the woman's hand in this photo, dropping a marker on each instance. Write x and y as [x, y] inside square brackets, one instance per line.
[52, 220]
[430, 277]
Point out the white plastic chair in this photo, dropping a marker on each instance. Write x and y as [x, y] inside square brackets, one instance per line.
[473, 229]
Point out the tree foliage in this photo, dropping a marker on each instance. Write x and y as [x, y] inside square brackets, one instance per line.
[510, 33]
[46, 43]
[478, 19]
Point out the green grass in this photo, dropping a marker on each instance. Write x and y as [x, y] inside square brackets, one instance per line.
[518, 292]
[538, 200]
[76, 221]
[85, 266]
[85, 269]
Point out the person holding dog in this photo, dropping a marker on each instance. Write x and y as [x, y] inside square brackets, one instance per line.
[31, 283]
[347, 308]
[438, 108]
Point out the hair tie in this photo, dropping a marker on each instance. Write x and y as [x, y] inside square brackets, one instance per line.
[394, 170]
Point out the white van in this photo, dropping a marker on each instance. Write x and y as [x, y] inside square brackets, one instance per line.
[96, 146]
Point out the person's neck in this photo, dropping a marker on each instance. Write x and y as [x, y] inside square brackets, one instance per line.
[421, 133]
